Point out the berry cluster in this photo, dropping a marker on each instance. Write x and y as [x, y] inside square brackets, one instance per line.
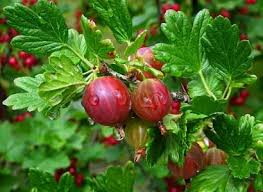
[240, 98]
[23, 60]
[72, 169]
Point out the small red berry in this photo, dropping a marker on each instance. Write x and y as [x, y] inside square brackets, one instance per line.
[244, 93]
[244, 10]
[25, 2]
[110, 141]
[237, 101]
[72, 170]
[250, 2]
[243, 37]
[225, 13]
[79, 179]
[165, 7]
[23, 55]
[58, 174]
[12, 61]
[2, 21]
[32, 2]
[176, 7]
[5, 38]
[30, 61]
[178, 188]
[12, 32]
[175, 108]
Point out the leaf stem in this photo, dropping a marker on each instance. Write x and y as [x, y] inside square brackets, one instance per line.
[83, 59]
[229, 93]
[227, 89]
[210, 93]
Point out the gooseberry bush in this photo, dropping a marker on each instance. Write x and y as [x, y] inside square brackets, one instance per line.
[171, 101]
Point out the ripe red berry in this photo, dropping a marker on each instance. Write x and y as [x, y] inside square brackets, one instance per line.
[145, 54]
[107, 101]
[58, 174]
[178, 188]
[175, 108]
[12, 32]
[244, 93]
[225, 13]
[110, 141]
[12, 61]
[79, 179]
[176, 7]
[5, 38]
[23, 55]
[2, 21]
[243, 37]
[250, 2]
[151, 100]
[25, 2]
[32, 2]
[72, 170]
[214, 156]
[30, 61]
[165, 7]
[237, 101]
[244, 10]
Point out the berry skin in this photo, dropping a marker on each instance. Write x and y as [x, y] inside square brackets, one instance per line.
[165, 7]
[251, 2]
[151, 100]
[107, 101]
[214, 156]
[32, 2]
[30, 61]
[176, 7]
[12, 61]
[2, 21]
[72, 170]
[244, 10]
[110, 141]
[175, 108]
[12, 32]
[79, 179]
[178, 188]
[237, 101]
[25, 2]
[225, 13]
[145, 54]
[244, 93]
[58, 174]
[23, 55]
[5, 38]
[243, 37]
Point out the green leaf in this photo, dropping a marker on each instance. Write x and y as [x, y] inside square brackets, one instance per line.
[170, 122]
[29, 99]
[77, 43]
[207, 105]
[136, 44]
[97, 48]
[196, 87]
[242, 167]
[115, 179]
[183, 55]
[171, 146]
[231, 135]
[63, 81]
[66, 183]
[42, 181]
[43, 28]
[257, 133]
[224, 50]
[258, 183]
[116, 15]
[217, 179]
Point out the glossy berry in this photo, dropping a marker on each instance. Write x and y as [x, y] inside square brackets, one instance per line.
[110, 141]
[151, 100]
[251, 2]
[225, 13]
[72, 170]
[79, 179]
[23, 55]
[176, 7]
[243, 37]
[145, 54]
[12, 32]
[165, 7]
[237, 101]
[214, 156]
[244, 93]
[4, 38]
[107, 101]
[136, 133]
[175, 107]
[12, 61]
[30, 61]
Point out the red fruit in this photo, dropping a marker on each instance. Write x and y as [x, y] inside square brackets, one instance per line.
[151, 100]
[22, 117]
[176, 7]
[72, 170]
[251, 2]
[12, 32]
[237, 101]
[154, 30]
[225, 13]
[32, 2]
[107, 101]
[175, 108]
[12, 61]
[244, 10]
[79, 179]
[30, 61]
[2, 21]
[23, 55]
[5, 38]
[110, 141]
[244, 93]
[25, 2]
[214, 156]
[251, 188]
[146, 55]
[165, 7]
[178, 188]
[194, 162]
[58, 174]
[243, 37]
